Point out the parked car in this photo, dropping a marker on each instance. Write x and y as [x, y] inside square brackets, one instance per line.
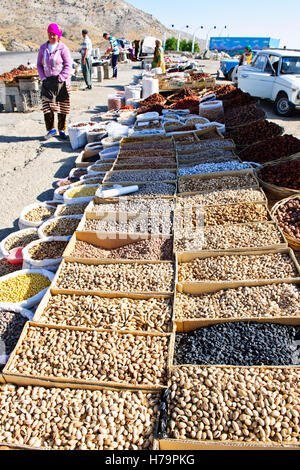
[228, 67]
[274, 74]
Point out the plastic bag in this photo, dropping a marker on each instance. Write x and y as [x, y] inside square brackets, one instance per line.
[24, 223]
[78, 134]
[49, 264]
[95, 135]
[27, 231]
[32, 300]
[212, 110]
[41, 229]
[18, 310]
[116, 190]
[151, 116]
[109, 153]
[76, 200]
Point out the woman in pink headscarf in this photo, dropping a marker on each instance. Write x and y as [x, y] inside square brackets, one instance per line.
[54, 65]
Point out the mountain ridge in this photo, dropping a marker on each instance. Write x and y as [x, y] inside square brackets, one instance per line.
[23, 23]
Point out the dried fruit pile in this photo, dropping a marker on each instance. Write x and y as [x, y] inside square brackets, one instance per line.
[271, 149]
[284, 174]
[256, 132]
[288, 217]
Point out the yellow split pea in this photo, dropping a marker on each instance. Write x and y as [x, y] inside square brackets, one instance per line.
[22, 287]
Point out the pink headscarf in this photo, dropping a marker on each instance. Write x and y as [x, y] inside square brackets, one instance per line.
[53, 28]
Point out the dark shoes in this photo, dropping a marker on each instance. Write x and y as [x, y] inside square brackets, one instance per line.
[63, 136]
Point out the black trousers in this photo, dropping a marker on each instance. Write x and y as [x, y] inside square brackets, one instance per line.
[114, 63]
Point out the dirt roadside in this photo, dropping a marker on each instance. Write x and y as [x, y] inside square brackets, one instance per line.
[30, 166]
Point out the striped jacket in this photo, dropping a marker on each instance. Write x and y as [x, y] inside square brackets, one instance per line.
[114, 45]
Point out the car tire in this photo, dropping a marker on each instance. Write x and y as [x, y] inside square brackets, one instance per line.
[282, 105]
[229, 75]
[234, 75]
[225, 75]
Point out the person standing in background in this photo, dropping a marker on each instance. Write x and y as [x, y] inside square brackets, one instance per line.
[159, 57]
[114, 52]
[136, 44]
[86, 59]
[246, 58]
[54, 64]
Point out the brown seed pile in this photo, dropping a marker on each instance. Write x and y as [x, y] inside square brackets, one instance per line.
[71, 209]
[153, 314]
[238, 267]
[151, 175]
[240, 404]
[7, 268]
[254, 235]
[222, 197]
[92, 355]
[273, 300]
[216, 183]
[234, 214]
[61, 227]
[156, 224]
[91, 419]
[11, 326]
[39, 214]
[21, 239]
[47, 250]
[125, 277]
[153, 249]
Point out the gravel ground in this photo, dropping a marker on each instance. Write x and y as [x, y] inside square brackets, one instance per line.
[29, 166]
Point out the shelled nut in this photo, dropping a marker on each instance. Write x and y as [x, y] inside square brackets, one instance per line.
[255, 235]
[39, 214]
[239, 404]
[221, 197]
[91, 419]
[234, 214]
[155, 249]
[273, 300]
[155, 224]
[117, 277]
[92, 355]
[144, 206]
[153, 314]
[238, 267]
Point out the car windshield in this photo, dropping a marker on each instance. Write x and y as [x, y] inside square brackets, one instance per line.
[290, 65]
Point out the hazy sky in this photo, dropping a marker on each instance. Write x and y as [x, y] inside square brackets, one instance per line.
[263, 18]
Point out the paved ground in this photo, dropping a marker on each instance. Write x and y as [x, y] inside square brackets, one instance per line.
[29, 166]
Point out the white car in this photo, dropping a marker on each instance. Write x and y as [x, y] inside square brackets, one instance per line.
[274, 74]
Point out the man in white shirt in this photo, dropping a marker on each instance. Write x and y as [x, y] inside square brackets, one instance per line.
[86, 59]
